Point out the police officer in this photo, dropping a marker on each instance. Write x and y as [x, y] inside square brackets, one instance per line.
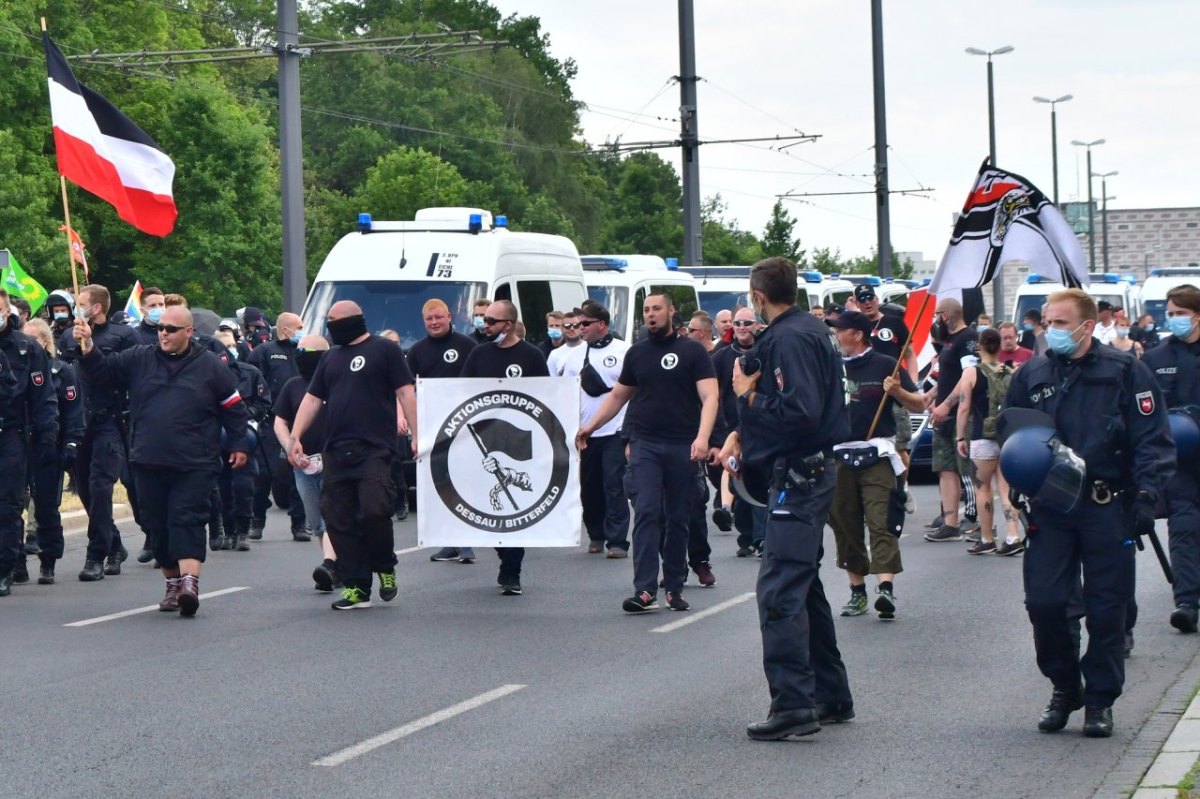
[792, 411]
[102, 456]
[1106, 407]
[237, 485]
[277, 361]
[28, 412]
[181, 397]
[153, 304]
[47, 472]
[1176, 368]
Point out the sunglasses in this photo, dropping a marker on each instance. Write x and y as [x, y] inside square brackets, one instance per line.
[571, 326]
[489, 321]
[867, 298]
[170, 328]
[588, 322]
[744, 323]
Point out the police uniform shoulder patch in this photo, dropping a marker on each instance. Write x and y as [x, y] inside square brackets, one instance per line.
[779, 377]
[1145, 402]
[37, 377]
[70, 393]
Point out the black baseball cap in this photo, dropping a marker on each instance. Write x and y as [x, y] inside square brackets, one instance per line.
[1104, 305]
[852, 320]
[864, 291]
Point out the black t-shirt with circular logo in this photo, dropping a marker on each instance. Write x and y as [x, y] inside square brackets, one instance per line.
[440, 357]
[889, 336]
[491, 360]
[864, 383]
[665, 407]
[358, 383]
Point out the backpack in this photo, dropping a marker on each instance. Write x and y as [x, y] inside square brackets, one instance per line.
[999, 378]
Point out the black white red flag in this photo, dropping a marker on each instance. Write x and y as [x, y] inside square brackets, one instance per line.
[1007, 218]
[102, 151]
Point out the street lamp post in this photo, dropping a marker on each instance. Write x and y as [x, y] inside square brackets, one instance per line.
[1091, 206]
[997, 283]
[1104, 198]
[1054, 135]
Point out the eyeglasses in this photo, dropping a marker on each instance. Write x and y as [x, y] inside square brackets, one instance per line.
[571, 326]
[744, 323]
[866, 298]
[170, 328]
[489, 321]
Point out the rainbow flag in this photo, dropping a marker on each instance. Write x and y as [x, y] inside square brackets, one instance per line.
[133, 308]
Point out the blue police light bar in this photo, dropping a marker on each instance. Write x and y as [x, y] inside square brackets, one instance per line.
[835, 275]
[872, 280]
[1035, 278]
[475, 223]
[598, 263]
[500, 221]
[1103, 277]
[812, 276]
[672, 263]
[1130, 279]
[364, 223]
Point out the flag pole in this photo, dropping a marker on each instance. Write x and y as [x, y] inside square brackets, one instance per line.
[899, 361]
[62, 183]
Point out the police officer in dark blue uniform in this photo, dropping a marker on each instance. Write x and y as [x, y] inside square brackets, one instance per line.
[792, 411]
[237, 485]
[102, 456]
[1176, 367]
[28, 413]
[1106, 407]
[277, 361]
[47, 472]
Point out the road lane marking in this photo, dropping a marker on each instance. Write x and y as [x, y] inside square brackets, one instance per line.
[410, 550]
[695, 617]
[391, 736]
[148, 608]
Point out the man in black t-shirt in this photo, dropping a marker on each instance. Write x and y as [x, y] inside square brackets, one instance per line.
[959, 342]
[671, 387]
[863, 494]
[360, 381]
[509, 357]
[309, 480]
[889, 336]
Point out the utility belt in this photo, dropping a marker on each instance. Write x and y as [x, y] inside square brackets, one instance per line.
[800, 472]
[1103, 492]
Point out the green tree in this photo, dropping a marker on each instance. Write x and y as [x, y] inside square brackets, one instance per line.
[645, 210]
[778, 237]
[406, 180]
[723, 241]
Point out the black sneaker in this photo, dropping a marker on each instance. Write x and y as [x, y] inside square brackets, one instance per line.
[1008, 550]
[214, 544]
[387, 586]
[945, 533]
[745, 552]
[982, 548]
[147, 554]
[324, 577]
[444, 555]
[352, 599]
[641, 602]
[510, 586]
[937, 523]
[676, 601]
[723, 519]
[885, 603]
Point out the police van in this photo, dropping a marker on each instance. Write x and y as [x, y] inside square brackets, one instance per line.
[1119, 291]
[824, 290]
[888, 290]
[621, 284]
[721, 288]
[457, 255]
[1154, 291]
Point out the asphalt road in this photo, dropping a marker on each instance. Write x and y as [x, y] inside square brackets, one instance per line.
[557, 693]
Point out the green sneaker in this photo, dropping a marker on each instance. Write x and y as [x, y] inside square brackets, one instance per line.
[352, 598]
[885, 603]
[387, 585]
[857, 605]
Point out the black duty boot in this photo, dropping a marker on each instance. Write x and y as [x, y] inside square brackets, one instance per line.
[6, 584]
[1097, 722]
[147, 553]
[32, 547]
[46, 572]
[401, 509]
[241, 544]
[1058, 712]
[299, 531]
[92, 571]
[785, 724]
[20, 572]
[112, 565]
[256, 529]
[1184, 618]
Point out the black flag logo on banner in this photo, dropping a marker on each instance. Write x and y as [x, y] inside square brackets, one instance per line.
[497, 435]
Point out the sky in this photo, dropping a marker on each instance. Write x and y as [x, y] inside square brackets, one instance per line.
[777, 67]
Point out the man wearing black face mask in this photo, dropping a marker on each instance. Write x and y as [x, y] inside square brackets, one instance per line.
[361, 380]
[310, 479]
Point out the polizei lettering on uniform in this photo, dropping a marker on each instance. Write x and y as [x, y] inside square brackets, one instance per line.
[498, 400]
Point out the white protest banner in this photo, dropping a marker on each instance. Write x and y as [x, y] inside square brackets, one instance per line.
[497, 464]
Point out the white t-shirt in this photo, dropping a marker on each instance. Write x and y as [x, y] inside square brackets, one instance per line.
[554, 361]
[1106, 333]
[607, 362]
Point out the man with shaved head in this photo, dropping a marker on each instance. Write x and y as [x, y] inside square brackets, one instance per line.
[960, 344]
[277, 362]
[180, 398]
[359, 382]
[310, 479]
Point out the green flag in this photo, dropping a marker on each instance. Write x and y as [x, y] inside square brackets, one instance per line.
[17, 283]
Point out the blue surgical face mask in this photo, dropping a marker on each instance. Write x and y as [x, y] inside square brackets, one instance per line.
[154, 315]
[1062, 341]
[1027, 327]
[233, 352]
[1122, 332]
[1180, 326]
[499, 337]
[554, 333]
[296, 337]
[60, 315]
[982, 328]
[477, 322]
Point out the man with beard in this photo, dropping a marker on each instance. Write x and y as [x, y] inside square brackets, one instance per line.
[572, 339]
[751, 522]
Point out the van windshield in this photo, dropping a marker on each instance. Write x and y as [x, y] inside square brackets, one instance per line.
[394, 304]
[714, 301]
[1157, 309]
[1027, 303]
[616, 300]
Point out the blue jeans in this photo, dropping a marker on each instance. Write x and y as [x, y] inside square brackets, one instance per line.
[309, 488]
